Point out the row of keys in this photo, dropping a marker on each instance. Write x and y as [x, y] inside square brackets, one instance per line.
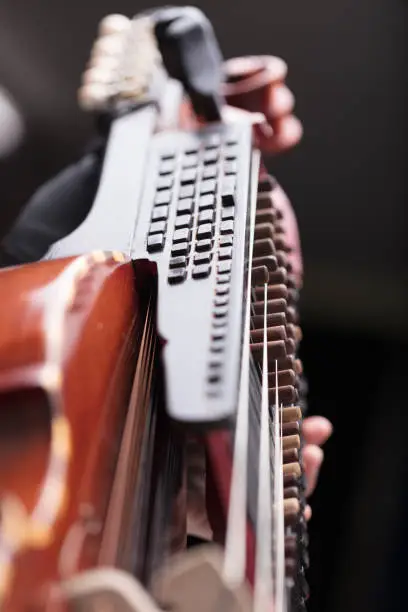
[220, 314]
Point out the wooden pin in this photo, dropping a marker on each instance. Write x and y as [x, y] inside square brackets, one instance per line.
[279, 277]
[266, 216]
[287, 394]
[291, 455]
[291, 492]
[291, 511]
[285, 377]
[272, 333]
[264, 247]
[259, 276]
[273, 292]
[264, 231]
[290, 429]
[290, 414]
[290, 442]
[272, 319]
[269, 261]
[292, 468]
[273, 306]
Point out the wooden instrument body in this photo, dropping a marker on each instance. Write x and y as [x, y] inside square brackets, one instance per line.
[68, 355]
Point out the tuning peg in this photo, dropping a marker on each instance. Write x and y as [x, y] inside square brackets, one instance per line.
[93, 96]
[272, 306]
[277, 332]
[114, 24]
[290, 414]
[291, 509]
[291, 455]
[108, 46]
[264, 230]
[290, 429]
[259, 276]
[265, 216]
[263, 247]
[285, 377]
[269, 261]
[97, 75]
[273, 292]
[287, 394]
[290, 442]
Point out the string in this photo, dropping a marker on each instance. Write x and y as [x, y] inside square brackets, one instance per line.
[235, 541]
[263, 587]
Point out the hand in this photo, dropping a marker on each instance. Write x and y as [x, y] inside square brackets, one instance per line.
[266, 93]
[316, 431]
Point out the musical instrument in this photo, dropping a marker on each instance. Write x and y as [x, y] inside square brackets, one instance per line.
[150, 388]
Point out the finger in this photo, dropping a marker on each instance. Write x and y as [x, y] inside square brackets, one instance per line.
[316, 430]
[238, 66]
[308, 513]
[312, 460]
[287, 131]
[281, 102]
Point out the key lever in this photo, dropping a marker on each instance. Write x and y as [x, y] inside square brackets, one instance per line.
[191, 55]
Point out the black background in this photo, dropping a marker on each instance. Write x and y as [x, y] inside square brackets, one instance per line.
[347, 182]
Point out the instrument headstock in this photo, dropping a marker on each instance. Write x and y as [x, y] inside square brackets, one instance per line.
[130, 57]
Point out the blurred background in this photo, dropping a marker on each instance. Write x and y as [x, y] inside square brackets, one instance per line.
[347, 181]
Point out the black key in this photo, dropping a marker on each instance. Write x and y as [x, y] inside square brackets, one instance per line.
[217, 346]
[180, 248]
[231, 141]
[181, 235]
[223, 279]
[222, 290]
[231, 153]
[228, 199]
[202, 258]
[185, 206]
[221, 311]
[160, 213]
[208, 187]
[158, 227]
[214, 377]
[227, 227]
[224, 266]
[228, 213]
[210, 156]
[218, 334]
[163, 197]
[191, 150]
[167, 167]
[221, 300]
[226, 241]
[225, 253]
[164, 182]
[206, 202]
[183, 221]
[190, 161]
[203, 245]
[188, 176]
[210, 172]
[204, 231]
[155, 243]
[206, 216]
[186, 191]
[201, 271]
[167, 156]
[178, 262]
[177, 275]
[230, 167]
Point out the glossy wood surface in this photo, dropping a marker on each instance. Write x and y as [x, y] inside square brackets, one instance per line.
[68, 330]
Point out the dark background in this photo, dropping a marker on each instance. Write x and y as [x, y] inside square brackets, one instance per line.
[348, 184]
